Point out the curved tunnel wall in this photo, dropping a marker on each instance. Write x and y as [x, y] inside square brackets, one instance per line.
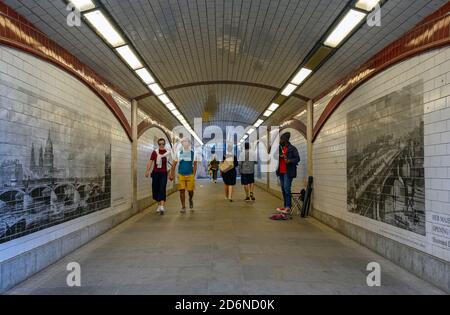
[408, 102]
[84, 148]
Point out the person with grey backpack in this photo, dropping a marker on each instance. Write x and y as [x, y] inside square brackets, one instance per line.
[247, 164]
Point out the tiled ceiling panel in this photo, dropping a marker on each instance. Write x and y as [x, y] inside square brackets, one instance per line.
[397, 17]
[226, 103]
[50, 16]
[257, 41]
[247, 40]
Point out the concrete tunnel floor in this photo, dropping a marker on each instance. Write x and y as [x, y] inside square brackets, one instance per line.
[223, 248]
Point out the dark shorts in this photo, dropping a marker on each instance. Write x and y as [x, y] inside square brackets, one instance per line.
[247, 179]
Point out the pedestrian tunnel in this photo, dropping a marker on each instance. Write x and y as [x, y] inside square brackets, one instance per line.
[225, 147]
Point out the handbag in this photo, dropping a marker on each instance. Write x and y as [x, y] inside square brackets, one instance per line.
[226, 166]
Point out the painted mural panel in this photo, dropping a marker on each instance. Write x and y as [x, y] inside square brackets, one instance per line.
[56, 171]
[385, 160]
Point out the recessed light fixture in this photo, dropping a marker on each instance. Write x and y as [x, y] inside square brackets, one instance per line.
[129, 57]
[145, 75]
[274, 106]
[301, 76]
[104, 28]
[170, 106]
[164, 99]
[267, 113]
[289, 89]
[156, 89]
[177, 113]
[344, 28]
[367, 5]
[83, 5]
[259, 123]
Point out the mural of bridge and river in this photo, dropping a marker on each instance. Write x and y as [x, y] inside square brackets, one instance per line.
[39, 195]
[385, 160]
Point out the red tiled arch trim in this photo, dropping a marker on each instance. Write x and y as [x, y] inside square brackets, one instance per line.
[294, 124]
[426, 36]
[146, 125]
[17, 33]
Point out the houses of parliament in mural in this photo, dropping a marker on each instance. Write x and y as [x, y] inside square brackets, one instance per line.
[35, 194]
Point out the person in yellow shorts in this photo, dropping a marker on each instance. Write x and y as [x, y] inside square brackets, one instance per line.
[187, 168]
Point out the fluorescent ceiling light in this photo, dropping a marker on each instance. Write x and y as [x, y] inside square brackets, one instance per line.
[104, 28]
[367, 5]
[170, 106]
[145, 76]
[259, 123]
[301, 76]
[268, 113]
[245, 137]
[250, 131]
[344, 28]
[290, 88]
[176, 113]
[156, 89]
[164, 99]
[129, 56]
[83, 5]
[274, 107]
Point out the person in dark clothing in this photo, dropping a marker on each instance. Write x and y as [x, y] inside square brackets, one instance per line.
[230, 163]
[159, 161]
[287, 169]
[214, 167]
[247, 163]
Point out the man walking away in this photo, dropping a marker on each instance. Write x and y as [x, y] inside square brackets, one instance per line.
[287, 170]
[214, 167]
[247, 167]
[187, 168]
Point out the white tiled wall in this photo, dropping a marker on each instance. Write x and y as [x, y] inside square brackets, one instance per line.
[32, 92]
[147, 143]
[330, 151]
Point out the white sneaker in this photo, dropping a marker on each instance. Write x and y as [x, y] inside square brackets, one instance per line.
[158, 210]
[162, 210]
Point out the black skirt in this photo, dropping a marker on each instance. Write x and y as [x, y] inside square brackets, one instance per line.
[229, 178]
[159, 185]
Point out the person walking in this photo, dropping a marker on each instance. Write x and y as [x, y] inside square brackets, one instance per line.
[159, 161]
[247, 164]
[214, 167]
[187, 168]
[228, 171]
[289, 159]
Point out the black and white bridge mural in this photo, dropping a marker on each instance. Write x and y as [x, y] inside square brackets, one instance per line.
[39, 196]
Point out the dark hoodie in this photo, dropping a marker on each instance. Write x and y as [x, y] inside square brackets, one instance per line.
[292, 157]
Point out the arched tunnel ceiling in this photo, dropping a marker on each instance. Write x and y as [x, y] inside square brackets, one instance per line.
[256, 41]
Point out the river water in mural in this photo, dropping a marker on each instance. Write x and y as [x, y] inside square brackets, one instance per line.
[385, 160]
[53, 173]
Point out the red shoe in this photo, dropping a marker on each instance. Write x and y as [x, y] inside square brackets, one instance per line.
[285, 211]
